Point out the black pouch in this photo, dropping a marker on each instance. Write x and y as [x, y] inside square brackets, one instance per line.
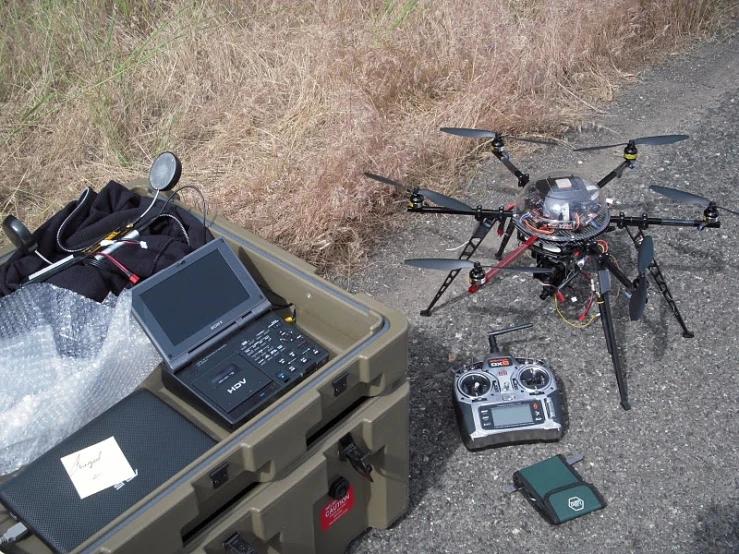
[557, 491]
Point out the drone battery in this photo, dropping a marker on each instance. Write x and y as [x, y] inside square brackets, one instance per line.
[557, 491]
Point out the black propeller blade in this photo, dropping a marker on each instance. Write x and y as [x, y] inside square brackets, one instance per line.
[435, 197]
[638, 300]
[686, 197]
[656, 141]
[446, 264]
[646, 253]
[479, 133]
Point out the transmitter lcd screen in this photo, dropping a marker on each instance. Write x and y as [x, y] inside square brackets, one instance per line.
[195, 297]
[506, 416]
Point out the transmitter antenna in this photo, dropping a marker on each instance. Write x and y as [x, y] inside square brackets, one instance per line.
[491, 336]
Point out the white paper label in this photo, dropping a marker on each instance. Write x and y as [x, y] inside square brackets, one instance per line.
[563, 183]
[97, 467]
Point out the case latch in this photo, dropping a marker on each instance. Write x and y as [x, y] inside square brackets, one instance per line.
[219, 475]
[235, 544]
[349, 450]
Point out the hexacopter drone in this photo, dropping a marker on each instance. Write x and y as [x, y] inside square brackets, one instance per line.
[561, 218]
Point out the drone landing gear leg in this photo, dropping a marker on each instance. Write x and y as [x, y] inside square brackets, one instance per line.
[662, 286]
[604, 305]
[659, 280]
[477, 237]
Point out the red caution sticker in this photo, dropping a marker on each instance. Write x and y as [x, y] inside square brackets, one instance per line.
[337, 508]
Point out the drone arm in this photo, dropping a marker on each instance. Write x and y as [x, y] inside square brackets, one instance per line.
[643, 222]
[614, 174]
[522, 177]
[480, 213]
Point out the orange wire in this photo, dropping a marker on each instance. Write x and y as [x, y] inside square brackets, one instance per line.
[545, 231]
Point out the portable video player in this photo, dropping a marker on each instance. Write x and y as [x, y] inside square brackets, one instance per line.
[224, 348]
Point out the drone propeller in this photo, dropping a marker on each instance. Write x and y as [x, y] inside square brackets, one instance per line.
[655, 141]
[446, 264]
[638, 299]
[435, 197]
[479, 133]
[686, 197]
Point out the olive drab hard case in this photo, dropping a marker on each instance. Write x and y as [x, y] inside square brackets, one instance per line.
[287, 457]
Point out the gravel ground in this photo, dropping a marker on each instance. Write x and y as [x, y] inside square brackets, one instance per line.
[668, 467]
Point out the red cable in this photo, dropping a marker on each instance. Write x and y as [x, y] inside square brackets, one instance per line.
[131, 276]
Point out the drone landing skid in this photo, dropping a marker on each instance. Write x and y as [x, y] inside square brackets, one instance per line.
[659, 280]
[477, 237]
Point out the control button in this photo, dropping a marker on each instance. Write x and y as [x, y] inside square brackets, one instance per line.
[291, 368]
[536, 406]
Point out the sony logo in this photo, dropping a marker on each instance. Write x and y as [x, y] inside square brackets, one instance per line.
[236, 386]
[216, 325]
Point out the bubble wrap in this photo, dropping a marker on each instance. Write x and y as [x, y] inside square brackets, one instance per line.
[64, 359]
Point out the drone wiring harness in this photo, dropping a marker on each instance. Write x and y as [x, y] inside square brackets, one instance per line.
[559, 296]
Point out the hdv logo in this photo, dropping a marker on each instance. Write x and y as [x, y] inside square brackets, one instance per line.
[576, 504]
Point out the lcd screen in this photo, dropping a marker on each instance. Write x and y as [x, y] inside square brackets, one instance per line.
[506, 416]
[195, 297]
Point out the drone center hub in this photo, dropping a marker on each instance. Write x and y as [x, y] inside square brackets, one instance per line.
[561, 207]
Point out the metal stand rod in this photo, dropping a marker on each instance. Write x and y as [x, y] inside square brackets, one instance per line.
[504, 241]
[604, 306]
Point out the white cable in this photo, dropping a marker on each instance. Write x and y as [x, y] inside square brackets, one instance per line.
[40, 255]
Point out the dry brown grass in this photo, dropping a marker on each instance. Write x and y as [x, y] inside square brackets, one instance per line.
[277, 107]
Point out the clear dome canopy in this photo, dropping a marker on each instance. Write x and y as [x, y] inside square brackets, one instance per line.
[561, 207]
